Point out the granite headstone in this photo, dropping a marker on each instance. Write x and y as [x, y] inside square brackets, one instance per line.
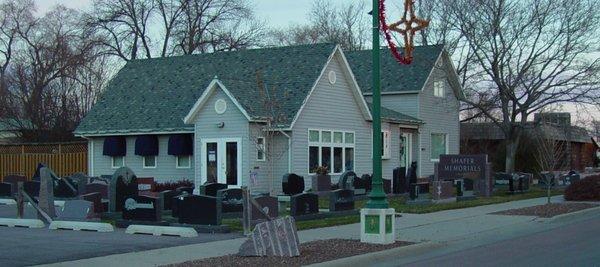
[304, 204]
[341, 199]
[272, 238]
[204, 210]
[123, 185]
[142, 208]
[292, 184]
[211, 189]
[232, 200]
[76, 210]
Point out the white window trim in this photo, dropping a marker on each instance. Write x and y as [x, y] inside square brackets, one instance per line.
[431, 146]
[385, 142]
[332, 145]
[183, 167]
[442, 85]
[149, 167]
[264, 148]
[113, 162]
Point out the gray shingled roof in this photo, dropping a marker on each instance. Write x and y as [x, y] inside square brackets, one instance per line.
[154, 95]
[394, 116]
[394, 76]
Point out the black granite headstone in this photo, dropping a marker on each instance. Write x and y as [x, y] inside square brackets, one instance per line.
[123, 185]
[304, 204]
[387, 186]
[187, 189]
[204, 210]
[412, 173]
[400, 180]
[292, 184]
[142, 208]
[342, 199]
[232, 200]
[268, 205]
[64, 188]
[367, 179]
[5, 190]
[176, 201]
[32, 188]
[167, 197]
[346, 180]
[210, 189]
[13, 180]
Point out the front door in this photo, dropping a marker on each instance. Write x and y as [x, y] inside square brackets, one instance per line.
[221, 161]
[405, 150]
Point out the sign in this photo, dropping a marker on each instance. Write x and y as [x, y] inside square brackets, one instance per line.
[462, 166]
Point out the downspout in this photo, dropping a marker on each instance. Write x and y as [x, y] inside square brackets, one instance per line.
[289, 150]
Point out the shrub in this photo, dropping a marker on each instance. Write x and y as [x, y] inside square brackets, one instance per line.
[159, 187]
[587, 189]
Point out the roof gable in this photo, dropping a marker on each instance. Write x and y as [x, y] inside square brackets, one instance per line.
[208, 92]
[154, 95]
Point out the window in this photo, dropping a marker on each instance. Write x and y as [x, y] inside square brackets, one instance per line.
[183, 162]
[334, 149]
[149, 161]
[118, 162]
[385, 145]
[439, 146]
[260, 149]
[438, 88]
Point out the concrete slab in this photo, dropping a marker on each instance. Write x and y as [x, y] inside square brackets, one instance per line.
[28, 223]
[81, 226]
[161, 230]
[7, 201]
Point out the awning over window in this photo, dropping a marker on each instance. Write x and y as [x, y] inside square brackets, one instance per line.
[114, 146]
[181, 145]
[146, 145]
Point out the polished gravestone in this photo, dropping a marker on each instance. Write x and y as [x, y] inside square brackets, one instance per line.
[13, 180]
[32, 188]
[211, 189]
[5, 190]
[96, 200]
[268, 205]
[46, 191]
[123, 185]
[100, 188]
[81, 180]
[204, 210]
[231, 199]
[76, 210]
[64, 188]
[367, 179]
[176, 201]
[272, 238]
[387, 186]
[142, 208]
[346, 180]
[304, 204]
[167, 197]
[292, 184]
[443, 190]
[341, 199]
[320, 182]
[400, 180]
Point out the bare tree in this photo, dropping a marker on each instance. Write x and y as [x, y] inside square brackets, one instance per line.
[532, 54]
[550, 155]
[346, 24]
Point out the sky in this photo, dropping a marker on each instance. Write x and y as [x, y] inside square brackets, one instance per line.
[281, 13]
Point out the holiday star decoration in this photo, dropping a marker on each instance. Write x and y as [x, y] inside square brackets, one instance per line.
[407, 26]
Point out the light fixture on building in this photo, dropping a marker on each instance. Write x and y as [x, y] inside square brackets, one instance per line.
[221, 124]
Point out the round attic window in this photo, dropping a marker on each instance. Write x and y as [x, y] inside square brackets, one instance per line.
[220, 106]
[332, 77]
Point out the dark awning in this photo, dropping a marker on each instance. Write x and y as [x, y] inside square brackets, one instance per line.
[181, 145]
[115, 146]
[146, 145]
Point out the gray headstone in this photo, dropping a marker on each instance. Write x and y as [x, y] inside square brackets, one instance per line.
[46, 195]
[273, 238]
[123, 185]
[76, 210]
[82, 180]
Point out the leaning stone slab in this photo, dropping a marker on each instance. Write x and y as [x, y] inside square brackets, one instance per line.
[273, 238]
[79, 226]
[29, 223]
[161, 230]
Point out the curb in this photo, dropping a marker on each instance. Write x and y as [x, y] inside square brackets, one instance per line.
[372, 258]
[567, 215]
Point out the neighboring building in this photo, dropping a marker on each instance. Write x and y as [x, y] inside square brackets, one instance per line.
[580, 149]
[203, 117]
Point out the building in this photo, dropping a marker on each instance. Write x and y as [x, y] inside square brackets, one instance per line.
[248, 117]
[578, 148]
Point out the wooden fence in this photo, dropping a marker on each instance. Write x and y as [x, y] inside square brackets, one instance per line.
[64, 159]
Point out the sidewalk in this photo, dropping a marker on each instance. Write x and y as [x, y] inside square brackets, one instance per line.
[410, 227]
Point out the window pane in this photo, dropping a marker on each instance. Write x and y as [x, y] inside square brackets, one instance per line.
[438, 145]
[349, 138]
[326, 157]
[231, 170]
[118, 162]
[260, 149]
[337, 137]
[326, 137]
[150, 161]
[349, 159]
[313, 158]
[337, 160]
[313, 136]
[183, 161]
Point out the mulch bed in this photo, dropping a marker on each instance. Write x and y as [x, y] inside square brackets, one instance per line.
[548, 210]
[310, 252]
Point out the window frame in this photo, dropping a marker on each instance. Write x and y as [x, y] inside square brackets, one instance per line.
[144, 166]
[442, 88]
[386, 150]
[113, 166]
[258, 148]
[446, 147]
[183, 167]
[332, 145]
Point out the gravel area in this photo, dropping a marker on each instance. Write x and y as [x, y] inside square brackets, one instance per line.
[310, 252]
[548, 210]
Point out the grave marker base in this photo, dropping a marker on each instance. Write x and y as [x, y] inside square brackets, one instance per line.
[29, 223]
[377, 226]
[161, 230]
[81, 226]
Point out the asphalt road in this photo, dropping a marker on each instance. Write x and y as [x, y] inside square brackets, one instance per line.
[571, 244]
[24, 246]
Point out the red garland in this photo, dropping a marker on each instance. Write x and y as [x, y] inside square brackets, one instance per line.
[402, 59]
